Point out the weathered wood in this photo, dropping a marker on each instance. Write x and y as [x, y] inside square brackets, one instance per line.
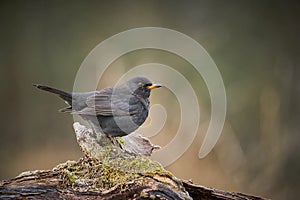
[199, 192]
[107, 172]
[59, 183]
[49, 185]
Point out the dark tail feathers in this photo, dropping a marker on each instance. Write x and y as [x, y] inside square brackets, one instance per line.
[67, 96]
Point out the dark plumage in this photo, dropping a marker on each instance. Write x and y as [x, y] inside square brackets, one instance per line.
[115, 111]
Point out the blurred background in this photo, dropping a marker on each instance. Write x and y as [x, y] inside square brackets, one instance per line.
[255, 45]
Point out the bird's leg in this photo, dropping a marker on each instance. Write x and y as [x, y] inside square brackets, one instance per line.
[112, 139]
[115, 142]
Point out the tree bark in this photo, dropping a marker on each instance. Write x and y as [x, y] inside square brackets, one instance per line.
[49, 185]
[107, 172]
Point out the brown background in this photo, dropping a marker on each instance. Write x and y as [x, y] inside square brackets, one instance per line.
[255, 44]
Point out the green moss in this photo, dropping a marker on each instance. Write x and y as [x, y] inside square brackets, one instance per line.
[109, 171]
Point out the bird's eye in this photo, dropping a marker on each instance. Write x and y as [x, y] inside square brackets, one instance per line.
[147, 85]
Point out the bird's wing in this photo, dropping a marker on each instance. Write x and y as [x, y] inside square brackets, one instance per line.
[107, 103]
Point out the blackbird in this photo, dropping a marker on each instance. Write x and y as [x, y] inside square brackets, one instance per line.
[114, 111]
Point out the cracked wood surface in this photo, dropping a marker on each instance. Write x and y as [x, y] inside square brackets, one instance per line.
[108, 173]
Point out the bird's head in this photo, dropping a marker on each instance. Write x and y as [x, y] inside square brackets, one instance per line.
[141, 86]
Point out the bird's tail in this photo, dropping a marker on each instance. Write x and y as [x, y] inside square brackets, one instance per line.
[67, 96]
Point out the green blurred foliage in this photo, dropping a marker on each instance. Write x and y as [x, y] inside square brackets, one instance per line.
[255, 44]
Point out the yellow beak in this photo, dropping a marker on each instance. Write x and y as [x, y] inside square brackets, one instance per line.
[153, 86]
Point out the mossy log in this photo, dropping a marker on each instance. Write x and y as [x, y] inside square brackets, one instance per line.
[108, 172]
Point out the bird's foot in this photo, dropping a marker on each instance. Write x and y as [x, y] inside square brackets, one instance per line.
[116, 145]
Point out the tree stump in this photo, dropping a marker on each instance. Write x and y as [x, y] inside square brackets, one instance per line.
[108, 172]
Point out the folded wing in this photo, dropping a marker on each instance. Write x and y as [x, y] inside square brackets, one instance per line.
[106, 102]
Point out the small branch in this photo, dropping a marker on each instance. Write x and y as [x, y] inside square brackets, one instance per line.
[198, 192]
